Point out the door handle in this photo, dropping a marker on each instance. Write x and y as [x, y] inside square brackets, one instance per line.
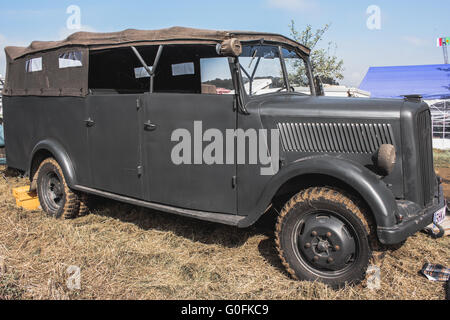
[149, 126]
[89, 122]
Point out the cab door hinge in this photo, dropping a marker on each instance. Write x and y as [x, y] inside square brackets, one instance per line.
[140, 171]
[234, 182]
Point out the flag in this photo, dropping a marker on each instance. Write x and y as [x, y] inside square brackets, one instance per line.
[443, 42]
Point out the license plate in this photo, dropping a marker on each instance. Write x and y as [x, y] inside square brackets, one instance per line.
[439, 216]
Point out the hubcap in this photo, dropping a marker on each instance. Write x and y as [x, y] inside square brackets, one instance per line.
[53, 191]
[326, 243]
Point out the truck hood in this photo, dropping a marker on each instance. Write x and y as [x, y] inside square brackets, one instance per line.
[320, 108]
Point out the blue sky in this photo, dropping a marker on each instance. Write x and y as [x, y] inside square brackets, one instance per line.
[408, 34]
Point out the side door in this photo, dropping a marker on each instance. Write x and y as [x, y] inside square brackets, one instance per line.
[114, 137]
[192, 120]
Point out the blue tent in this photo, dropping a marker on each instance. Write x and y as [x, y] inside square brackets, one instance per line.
[429, 81]
[2, 144]
[2, 139]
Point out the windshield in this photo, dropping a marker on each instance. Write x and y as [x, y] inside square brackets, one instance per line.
[262, 70]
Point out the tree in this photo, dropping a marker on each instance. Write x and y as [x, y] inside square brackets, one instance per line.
[324, 62]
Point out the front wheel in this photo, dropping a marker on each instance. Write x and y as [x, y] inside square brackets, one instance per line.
[321, 236]
[55, 196]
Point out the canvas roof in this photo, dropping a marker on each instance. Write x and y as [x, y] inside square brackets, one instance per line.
[96, 41]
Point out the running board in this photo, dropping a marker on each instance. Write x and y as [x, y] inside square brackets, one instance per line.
[228, 219]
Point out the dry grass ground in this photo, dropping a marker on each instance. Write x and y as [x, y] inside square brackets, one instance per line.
[126, 252]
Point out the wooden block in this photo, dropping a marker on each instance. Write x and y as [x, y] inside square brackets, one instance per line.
[25, 199]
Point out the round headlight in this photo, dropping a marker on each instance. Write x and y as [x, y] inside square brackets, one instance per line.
[386, 158]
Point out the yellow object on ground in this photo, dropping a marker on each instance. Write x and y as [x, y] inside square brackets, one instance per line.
[25, 199]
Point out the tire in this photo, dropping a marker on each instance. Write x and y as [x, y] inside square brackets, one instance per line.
[56, 198]
[322, 235]
[84, 205]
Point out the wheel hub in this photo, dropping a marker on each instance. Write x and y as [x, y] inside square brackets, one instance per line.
[322, 246]
[54, 191]
[326, 243]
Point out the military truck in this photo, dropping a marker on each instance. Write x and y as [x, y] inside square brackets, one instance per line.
[179, 120]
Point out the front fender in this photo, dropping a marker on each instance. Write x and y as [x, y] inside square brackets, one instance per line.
[377, 195]
[61, 156]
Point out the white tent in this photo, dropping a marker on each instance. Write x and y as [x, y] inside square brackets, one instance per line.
[337, 91]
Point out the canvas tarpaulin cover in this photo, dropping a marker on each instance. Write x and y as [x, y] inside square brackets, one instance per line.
[55, 81]
[50, 80]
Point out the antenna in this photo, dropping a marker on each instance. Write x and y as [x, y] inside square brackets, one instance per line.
[444, 43]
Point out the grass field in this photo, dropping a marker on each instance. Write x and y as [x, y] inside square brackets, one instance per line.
[126, 252]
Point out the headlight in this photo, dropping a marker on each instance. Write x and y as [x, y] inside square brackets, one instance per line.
[386, 158]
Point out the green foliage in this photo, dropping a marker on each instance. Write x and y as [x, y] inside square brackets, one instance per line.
[325, 63]
[442, 159]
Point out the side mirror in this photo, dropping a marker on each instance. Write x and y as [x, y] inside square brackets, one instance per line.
[319, 86]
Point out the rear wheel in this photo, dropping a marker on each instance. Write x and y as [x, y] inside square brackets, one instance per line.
[55, 196]
[321, 236]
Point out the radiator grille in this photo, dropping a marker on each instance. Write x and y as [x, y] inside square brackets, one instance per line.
[426, 156]
[335, 137]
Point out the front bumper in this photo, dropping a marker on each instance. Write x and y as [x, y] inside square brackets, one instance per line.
[416, 219]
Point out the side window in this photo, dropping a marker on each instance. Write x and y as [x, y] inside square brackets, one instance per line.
[261, 70]
[71, 60]
[118, 70]
[216, 76]
[297, 72]
[184, 69]
[33, 65]
[193, 69]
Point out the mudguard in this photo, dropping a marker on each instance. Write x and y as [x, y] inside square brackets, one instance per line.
[61, 156]
[371, 188]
